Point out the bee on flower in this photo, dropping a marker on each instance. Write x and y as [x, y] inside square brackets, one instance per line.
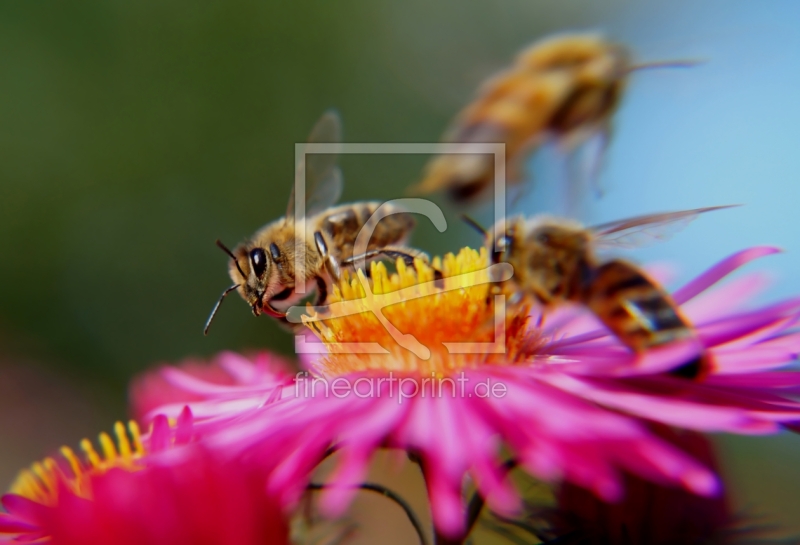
[575, 407]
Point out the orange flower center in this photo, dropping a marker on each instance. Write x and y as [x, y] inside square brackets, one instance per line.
[410, 322]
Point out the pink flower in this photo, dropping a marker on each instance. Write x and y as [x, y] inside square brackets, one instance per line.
[568, 400]
[225, 380]
[163, 489]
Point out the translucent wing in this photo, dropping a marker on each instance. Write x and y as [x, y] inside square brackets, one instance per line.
[319, 174]
[643, 230]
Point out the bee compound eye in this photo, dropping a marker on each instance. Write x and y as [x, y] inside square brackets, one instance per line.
[259, 260]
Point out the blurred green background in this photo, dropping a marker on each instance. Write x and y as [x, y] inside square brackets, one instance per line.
[133, 134]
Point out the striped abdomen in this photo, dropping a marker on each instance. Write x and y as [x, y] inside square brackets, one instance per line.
[639, 312]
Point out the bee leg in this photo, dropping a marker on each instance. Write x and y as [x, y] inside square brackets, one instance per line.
[322, 292]
[369, 254]
[322, 248]
[408, 258]
[695, 369]
[407, 255]
[333, 268]
[518, 183]
[331, 264]
[596, 158]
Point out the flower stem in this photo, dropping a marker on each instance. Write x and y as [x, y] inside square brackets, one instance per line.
[476, 502]
[388, 493]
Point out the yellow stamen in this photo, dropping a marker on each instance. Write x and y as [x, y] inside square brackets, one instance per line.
[122, 441]
[133, 427]
[74, 464]
[91, 455]
[40, 482]
[421, 325]
[28, 485]
[107, 445]
[41, 473]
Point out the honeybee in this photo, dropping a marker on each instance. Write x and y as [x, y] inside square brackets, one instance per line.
[554, 261]
[565, 87]
[265, 269]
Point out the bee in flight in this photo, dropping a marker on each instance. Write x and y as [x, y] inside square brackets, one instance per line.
[264, 268]
[554, 262]
[565, 87]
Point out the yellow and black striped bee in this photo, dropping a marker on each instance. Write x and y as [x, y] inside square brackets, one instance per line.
[565, 87]
[266, 270]
[554, 262]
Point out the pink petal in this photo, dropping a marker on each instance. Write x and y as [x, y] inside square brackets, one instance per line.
[343, 486]
[668, 410]
[183, 430]
[239, 368]
[720, 271]
[23, 508]
[160, 436]
[13, 525]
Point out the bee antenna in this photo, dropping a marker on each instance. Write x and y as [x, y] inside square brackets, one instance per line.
[664, 64]
[474, 224]
[227, 251]
[216, 307]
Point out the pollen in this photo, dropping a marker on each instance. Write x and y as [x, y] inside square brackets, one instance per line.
[417, 321]
[41, 481]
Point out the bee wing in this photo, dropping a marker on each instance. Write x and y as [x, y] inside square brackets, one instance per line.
[643, 230]
[319, 173]
[325, 193]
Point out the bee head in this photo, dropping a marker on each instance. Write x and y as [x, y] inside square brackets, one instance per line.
[250, 267]
[250, 271]
[498, 239]
[503, 238]
[501, 246]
